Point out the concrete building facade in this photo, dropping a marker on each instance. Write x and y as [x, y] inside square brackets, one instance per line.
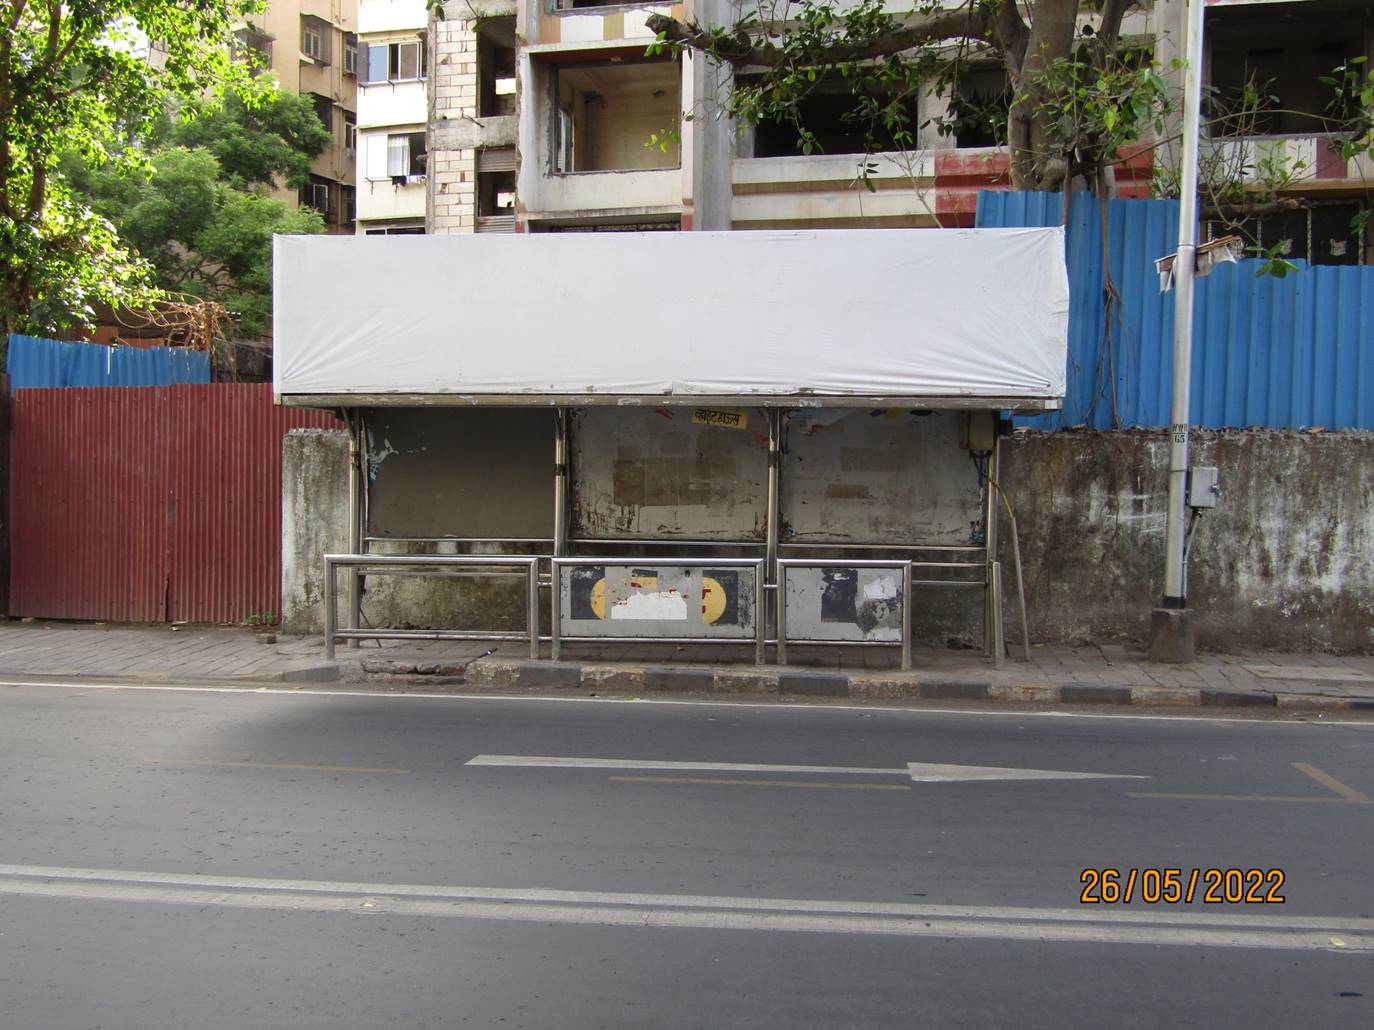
[547, 115]
[392, 151]
[312, 48]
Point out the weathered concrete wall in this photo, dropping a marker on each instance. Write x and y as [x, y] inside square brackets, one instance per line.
[315, 523]
[1285, 562]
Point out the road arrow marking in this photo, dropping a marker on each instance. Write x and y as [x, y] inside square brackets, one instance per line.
[920, 772]
[930, 772]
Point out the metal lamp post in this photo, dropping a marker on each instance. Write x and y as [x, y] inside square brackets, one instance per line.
[1171, 627]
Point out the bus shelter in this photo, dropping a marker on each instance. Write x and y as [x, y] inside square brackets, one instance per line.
[765, 438]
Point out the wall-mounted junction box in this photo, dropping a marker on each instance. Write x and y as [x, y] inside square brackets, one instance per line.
[1204, 486]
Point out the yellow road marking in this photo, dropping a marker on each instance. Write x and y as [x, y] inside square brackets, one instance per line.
[277, 765]
[1331, 783]
[760, 783]
[1240, 797]
[1348, 795]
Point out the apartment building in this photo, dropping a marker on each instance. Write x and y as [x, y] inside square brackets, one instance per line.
[393, 114]
[547, 116]
[312, 47]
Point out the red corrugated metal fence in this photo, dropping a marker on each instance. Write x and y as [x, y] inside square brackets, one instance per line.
[148, 504]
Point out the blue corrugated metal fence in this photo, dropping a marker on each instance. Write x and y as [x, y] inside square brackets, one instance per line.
[38, 363]
[1283, 353]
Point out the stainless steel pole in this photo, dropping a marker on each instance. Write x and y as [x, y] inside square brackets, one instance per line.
[1185, 263]
[780, 598]
[760, 615]
[560, 484]
[992, 597]
[331, 602]
[355, 520]
[555, 610]
[532, 602]
[906, 617]
[774, 516]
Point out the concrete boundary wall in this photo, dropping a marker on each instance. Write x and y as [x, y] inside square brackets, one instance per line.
[1286, 562]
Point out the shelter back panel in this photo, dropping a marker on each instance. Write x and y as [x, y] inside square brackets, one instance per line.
[664, 473]
[877, 476]
[465, 472]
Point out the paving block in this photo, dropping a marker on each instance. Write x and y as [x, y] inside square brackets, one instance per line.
[953, 690]
[817, 684]
[612, 679]
[548, 674]
[1166, 696]
[680, 679]
[1237, 698]
[327, 672]
[1094, 694]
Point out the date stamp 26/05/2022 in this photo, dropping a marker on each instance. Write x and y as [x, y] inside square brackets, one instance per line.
[1154, 886]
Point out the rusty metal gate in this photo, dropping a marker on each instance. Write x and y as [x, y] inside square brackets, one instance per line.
[148, 504]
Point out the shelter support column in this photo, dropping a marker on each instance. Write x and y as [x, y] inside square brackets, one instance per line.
[356, 486]
[560, 484]
[775, 417]
[992, 594]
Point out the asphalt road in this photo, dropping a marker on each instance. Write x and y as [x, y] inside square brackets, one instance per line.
[291, 859]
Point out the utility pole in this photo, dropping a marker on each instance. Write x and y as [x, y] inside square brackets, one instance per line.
[1171, 625]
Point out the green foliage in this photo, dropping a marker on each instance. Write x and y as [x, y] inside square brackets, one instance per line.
[276, 138]
[65, 260]
[1096, 103]
[1275, 263]
[79, 76]
[201, 234]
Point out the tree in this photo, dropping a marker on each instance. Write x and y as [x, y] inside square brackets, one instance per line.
[81, 75]
[275, 139]
[201, 235]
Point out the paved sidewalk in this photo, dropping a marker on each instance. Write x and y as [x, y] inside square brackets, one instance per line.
[1106, 675]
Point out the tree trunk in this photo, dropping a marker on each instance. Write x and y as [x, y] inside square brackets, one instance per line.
[1035, 163]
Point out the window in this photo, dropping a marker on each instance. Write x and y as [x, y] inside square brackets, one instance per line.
[395, 62]
[315, 37]
[253, 46]
[496, 67]
[316, 195]
[350, 65]
[350, 124]
[602, 116]
[827, 112]
[1320, 234]
[399, 157]
[978, 109]
[1281, 58]
[324, 111]
[396, 230]
[495, 194]
[350, 204]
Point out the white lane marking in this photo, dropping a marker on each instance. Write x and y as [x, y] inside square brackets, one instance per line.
[1009, 712]
[920, 772]
[558, 762]
[931, 772]
[696, 911]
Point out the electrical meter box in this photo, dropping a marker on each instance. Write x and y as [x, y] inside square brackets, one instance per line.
[1204, 486]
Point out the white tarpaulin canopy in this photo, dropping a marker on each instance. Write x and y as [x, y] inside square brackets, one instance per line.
[929, 314]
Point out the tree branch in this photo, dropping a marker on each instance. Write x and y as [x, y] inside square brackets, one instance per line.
[1234, 211]
[1011, 32]
[1113, 11]
[738, 48]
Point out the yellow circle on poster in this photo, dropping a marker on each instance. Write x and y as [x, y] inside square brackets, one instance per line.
[598, 598]
[713, 600]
